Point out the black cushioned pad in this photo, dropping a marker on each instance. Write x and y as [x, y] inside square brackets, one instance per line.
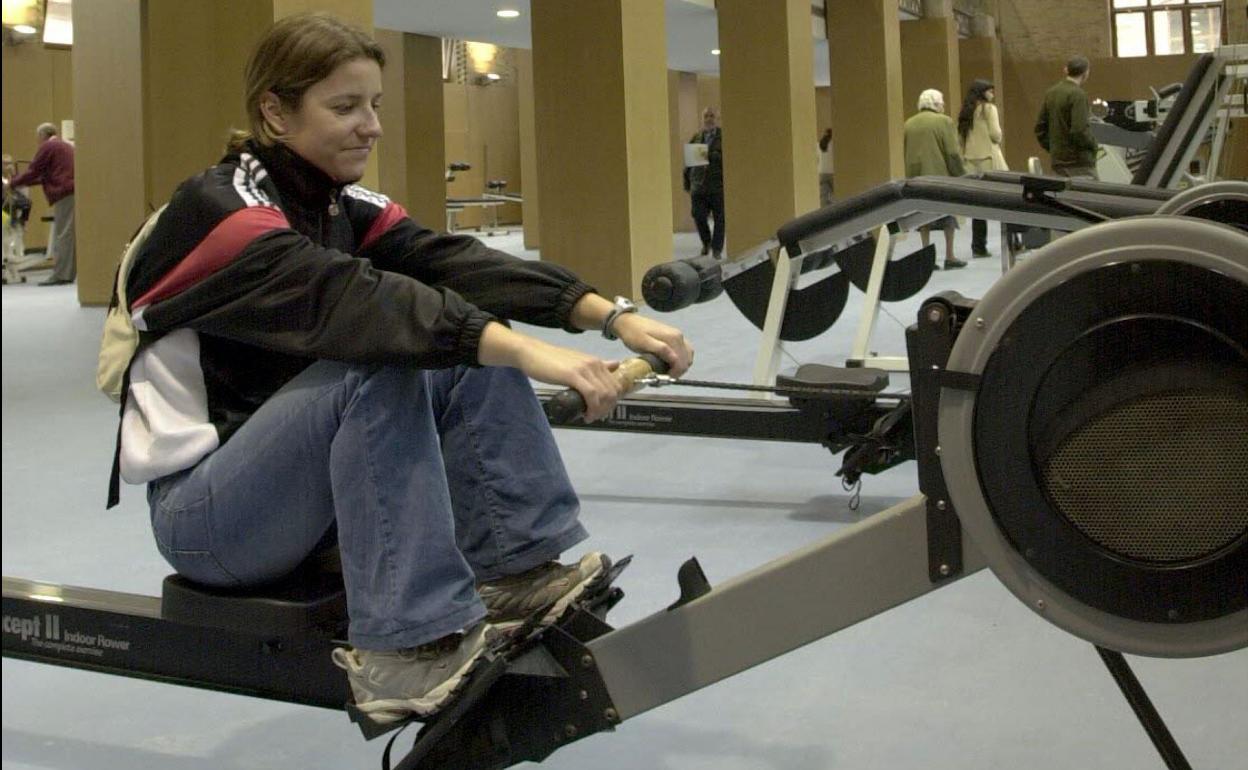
[821, 375]
[1085, 185]
[1003, 192]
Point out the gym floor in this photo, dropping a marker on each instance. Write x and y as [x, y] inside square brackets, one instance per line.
[963, 678]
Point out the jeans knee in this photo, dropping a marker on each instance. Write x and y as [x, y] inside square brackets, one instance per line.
[402, 381]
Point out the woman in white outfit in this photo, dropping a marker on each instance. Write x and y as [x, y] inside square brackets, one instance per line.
[979, 128]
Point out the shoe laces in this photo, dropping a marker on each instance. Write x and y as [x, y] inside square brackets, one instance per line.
[527, 576]
[352, 660]
[437, 648]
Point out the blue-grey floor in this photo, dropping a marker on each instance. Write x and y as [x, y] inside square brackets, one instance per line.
[964, 678]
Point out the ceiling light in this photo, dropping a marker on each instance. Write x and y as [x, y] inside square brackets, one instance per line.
[493, 76]
[25, 29]
[714, 52]
[508, 13]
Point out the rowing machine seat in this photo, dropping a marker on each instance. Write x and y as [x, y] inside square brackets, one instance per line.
[311, 599]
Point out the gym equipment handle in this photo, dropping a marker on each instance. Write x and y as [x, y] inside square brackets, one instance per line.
[569, 404]
[675, 285]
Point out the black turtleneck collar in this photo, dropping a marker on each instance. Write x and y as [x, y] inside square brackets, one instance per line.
[295, 177]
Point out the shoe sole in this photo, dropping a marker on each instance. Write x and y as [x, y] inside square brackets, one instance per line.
[562, 603]
[385, 712]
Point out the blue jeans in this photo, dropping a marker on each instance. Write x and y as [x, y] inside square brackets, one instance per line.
[436, 479]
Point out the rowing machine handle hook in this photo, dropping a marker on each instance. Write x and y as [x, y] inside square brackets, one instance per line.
[569, 405]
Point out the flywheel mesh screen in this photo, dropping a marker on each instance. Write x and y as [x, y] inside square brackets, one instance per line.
[1162, 478]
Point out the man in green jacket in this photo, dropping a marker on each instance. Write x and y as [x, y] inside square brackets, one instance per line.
[1062, 127]
[932, 149]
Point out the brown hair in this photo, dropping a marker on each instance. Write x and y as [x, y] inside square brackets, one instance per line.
[297, 52]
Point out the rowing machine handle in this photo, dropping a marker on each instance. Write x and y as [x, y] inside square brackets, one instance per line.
[675, 285]
[568, 405]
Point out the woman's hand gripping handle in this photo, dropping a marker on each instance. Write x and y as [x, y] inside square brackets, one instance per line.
[569, 405]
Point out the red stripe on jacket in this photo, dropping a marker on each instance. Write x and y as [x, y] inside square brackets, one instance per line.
[390, 216]
[226, 241]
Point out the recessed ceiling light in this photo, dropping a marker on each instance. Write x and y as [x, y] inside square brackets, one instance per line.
[24, 29]
[508, 13]
[714, 52]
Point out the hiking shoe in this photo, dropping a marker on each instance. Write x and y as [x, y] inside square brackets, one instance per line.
[510, 600]
[392, 685]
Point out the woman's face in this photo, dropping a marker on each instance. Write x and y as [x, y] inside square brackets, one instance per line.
[990, 94]
[336, 125]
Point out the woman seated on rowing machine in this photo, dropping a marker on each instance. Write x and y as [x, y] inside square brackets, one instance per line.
[315, 365]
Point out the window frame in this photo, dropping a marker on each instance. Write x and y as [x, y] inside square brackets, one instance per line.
[1149, 8]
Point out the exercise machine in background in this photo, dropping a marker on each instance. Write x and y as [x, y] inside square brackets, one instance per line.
[495, 195]
[1158, 142]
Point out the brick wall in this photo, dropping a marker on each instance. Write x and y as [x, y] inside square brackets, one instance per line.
[1054, 30]
[1237, 21]
[1032, 30]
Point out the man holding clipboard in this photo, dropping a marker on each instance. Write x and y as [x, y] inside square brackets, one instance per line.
[704, 181]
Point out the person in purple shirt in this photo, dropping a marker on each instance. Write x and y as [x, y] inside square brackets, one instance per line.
[53, 169]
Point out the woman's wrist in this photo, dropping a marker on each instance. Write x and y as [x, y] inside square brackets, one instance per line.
[590, 311]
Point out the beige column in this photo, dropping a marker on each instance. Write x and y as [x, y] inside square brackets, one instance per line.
[392, 147]
[194, 56]
[108, 154]
[683, 116]
[531, 208]
[864, 51]
[600, 101]
[766, 86]
[929, 57]
[411, 153]
[424, 130]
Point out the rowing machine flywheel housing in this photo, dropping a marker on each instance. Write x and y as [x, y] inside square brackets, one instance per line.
[1101, 464]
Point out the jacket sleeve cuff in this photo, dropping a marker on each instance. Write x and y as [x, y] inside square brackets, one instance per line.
[469, 342]
[567, 300]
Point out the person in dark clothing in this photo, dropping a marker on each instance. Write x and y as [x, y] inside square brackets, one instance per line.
[315, 367]
[1062, 126]
[705, 185]
[826, 178]
[53, 169]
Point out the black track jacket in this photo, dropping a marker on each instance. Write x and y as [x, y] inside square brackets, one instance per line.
[262, 265]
